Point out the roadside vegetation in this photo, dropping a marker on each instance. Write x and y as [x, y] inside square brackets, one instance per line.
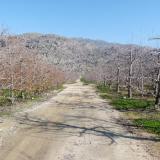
[8, 109]
[140, 111]
[130, 85]
[25, 74]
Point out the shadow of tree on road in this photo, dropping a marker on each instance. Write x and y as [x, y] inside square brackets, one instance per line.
[69, 128]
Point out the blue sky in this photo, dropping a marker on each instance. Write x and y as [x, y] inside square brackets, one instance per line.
[122, 21]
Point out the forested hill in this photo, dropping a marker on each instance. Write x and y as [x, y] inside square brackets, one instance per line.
[73, 54]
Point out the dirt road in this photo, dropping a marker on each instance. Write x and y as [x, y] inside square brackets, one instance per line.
[74, 125]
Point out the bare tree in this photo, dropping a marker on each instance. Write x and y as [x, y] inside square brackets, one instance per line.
[130, 73]
[157, 101]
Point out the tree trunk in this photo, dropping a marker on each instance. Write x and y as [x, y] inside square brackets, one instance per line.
[104, 81]
[118, 72]
[130, 77]
[157, 100]
[12, 77]
[142, 80]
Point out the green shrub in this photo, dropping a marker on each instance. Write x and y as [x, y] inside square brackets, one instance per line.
[6, 92]
[5, 101]
[150, 125]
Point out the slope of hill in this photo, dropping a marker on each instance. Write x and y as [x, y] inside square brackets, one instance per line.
[73, 54]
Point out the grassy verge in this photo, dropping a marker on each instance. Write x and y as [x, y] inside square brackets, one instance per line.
[120, 102]
[132, 104]
[140, 111]
[21, 102]
[150, 125]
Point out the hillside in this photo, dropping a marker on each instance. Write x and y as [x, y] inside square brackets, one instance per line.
[72, 54]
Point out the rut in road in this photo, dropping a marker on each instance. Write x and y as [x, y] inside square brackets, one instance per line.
[76, 124]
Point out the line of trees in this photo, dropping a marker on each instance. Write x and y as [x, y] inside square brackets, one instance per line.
[136, 71]
[23, 72]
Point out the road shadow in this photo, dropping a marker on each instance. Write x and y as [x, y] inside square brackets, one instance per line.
[68, 128]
